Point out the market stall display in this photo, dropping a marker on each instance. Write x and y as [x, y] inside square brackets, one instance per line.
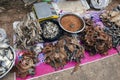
[66, 50]
[54, 44]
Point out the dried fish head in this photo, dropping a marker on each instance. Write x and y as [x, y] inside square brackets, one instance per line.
[4, 45]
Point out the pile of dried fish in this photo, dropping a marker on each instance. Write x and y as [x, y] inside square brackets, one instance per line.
[3, 36]
[6, 58]
[65, 50]
[114, 31]
[7, 55]
[51, 30]
[26, 65]
[28, 32]
[95, 40]
[111, 20]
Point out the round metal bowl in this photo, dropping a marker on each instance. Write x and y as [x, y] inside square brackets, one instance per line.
[12, 62]
[71, 23]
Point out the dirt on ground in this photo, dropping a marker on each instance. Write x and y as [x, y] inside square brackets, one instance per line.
[10, 11]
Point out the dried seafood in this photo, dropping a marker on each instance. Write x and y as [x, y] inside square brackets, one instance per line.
[26, 66]
[111, 17]
[28, 32]
[65, 50]
[7, 55]
[51, 30]
[117, 8]
[6, 58]
[114, 31]
[3, 36]
[111, 20]
[95, 40]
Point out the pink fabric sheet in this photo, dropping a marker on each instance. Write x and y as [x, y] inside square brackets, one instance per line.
[44, 69]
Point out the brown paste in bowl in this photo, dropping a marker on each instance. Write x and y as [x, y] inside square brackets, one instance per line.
[71, 23]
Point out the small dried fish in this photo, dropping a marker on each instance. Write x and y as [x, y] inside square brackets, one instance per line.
[9, 55]
[26, 65]
[2, 70]
[3, 34]
[50, 30]
[65, 50]
[28, 32]
[113, 26]
[6, 58]
[3, 45]
[95, 40]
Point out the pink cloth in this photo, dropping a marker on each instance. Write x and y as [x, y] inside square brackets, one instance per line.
[44, 69]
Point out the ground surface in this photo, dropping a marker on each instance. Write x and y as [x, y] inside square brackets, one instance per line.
[107, 69]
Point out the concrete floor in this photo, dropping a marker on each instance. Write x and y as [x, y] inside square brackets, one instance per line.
[107, 69]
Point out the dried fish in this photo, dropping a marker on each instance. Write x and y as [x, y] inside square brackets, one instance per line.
[110, 17]
[95, 40]
[2, 53]
[51, 30]
[26, 65]
[112, 26]
[4, 45]
[6, 58]
[28, 32]
[65, 50]
[2, 70]
[3, 34]
[9, 55]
